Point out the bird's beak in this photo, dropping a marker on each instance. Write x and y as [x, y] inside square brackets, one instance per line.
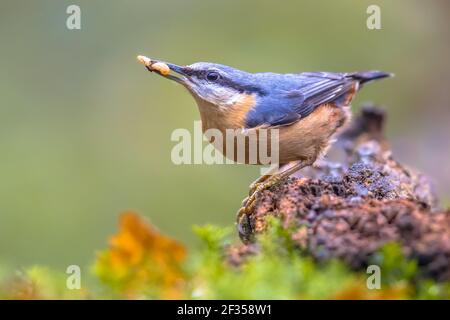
[164, 69]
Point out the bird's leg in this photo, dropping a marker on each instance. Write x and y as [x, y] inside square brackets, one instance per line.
[267, 182]
[254, 185]
[271, 181]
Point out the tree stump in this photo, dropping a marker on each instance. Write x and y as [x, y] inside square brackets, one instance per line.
[349, 208]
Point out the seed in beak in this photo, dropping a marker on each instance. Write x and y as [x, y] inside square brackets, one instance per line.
[144, 60]
[161, 67]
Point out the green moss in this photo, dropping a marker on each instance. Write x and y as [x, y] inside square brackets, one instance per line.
[279, 270]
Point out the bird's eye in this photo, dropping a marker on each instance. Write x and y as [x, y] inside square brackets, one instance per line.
[212, 76]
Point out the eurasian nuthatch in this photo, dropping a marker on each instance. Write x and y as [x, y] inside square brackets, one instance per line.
[306, 108]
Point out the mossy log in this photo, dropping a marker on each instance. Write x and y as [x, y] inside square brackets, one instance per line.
[350, 207]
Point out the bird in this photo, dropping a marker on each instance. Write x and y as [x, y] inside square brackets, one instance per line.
[307, 109]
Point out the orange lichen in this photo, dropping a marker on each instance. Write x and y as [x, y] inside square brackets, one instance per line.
[140, 258]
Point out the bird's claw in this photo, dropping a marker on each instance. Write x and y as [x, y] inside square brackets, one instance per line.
[256, 188]
[248, 204]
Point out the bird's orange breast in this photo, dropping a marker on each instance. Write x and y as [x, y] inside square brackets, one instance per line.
[309, 138]
[305, 139]
[228, 117]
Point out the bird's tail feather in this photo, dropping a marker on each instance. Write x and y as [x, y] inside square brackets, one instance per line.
[367, 76]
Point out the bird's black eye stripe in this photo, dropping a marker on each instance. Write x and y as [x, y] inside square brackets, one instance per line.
[225, 81]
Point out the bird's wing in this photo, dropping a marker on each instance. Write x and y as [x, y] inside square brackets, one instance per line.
[310, 90]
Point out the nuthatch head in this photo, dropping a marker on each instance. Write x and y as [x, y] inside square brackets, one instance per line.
[217, 84]
[307, 108]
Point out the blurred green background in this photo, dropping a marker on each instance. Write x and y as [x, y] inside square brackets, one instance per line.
[85, 130]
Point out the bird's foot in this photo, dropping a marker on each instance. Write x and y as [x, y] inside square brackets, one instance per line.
[255, 184]
[248, 204]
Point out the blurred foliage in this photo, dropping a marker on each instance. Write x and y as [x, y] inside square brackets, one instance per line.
[142, 263]
[140, 259]
[38, 283]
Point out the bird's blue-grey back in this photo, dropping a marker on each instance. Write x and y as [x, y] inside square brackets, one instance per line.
[285, 98]
[294, 96]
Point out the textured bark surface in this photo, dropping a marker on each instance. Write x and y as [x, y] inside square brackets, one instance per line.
[350, 208]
